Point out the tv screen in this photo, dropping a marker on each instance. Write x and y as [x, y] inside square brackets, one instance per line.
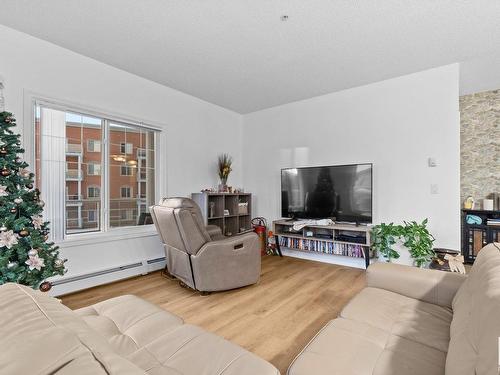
[340, 192]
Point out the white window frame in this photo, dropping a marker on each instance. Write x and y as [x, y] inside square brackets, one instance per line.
[94, 142]
[106, 233]
[93, 187]
[130, 191]
[126, 148]
[94, 169]
[129, 214]
[95, 216]
[129, 168]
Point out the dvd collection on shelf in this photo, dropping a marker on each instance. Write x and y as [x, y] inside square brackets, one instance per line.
[350, 250]
[494, 222]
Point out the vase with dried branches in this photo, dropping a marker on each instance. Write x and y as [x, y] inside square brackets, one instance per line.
[224, 169]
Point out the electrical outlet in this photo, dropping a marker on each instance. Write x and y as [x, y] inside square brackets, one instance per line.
[434, 189]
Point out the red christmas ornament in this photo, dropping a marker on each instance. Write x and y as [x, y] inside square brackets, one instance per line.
[5, 172]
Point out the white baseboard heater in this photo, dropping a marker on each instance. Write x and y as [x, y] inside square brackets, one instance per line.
[72, 284]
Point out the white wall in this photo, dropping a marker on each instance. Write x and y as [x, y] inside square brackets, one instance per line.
[395, 124]
[196, 130]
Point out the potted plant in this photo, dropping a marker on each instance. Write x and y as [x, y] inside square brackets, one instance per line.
[224, 168]
[419, 241]
[412, 238]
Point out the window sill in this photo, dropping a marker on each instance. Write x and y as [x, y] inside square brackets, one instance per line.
[112, 235]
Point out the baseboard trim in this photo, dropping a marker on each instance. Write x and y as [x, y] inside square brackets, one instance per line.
[76, 283]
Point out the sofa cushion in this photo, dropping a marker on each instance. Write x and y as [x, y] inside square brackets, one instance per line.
[347, 347]
[40, 335]
[401, 316]
[475, 329]
[129, 323]
[158, 341]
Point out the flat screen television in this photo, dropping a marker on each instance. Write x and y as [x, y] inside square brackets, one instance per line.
[339, 192]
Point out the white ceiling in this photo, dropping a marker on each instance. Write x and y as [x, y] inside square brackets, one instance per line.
[240, 55]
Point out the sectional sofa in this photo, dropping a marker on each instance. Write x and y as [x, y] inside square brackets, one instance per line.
[406, 321]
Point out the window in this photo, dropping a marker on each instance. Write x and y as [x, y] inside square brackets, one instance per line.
[126, 170]
[93, 192]
[141, 153]
[126, 192]
[126, 148]
[93, 145]
[108, 165]
[92, 216]
[94, 169]
[127, 214]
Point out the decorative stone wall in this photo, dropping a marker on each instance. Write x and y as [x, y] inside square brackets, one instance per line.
[480, 144]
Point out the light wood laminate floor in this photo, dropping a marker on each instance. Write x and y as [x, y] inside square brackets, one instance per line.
[274, 319]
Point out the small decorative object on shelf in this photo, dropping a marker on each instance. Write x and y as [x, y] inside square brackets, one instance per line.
[211, 209]
[242, 208]
[488, 204]
[469, 203]
[25, 255]
[224, 169]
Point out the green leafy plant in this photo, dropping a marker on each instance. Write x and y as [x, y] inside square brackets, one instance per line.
[383, 237]
[224, 163]
[419, 242]
[414, 236]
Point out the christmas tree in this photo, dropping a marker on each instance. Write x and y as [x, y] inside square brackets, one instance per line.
[25, 255]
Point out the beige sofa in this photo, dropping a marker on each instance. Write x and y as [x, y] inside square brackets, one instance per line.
[123, 335]
[414, 321]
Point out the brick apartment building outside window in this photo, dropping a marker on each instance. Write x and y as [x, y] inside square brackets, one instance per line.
[80, 143]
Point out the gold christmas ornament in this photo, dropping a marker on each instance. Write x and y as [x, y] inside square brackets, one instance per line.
[24, 232]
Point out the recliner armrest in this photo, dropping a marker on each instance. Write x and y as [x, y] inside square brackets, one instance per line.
[228, 263]
[433, 286]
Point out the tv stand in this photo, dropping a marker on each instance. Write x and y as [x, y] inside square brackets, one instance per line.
[349, 240]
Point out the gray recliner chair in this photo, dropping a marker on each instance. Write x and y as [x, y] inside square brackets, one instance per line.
[200, 256]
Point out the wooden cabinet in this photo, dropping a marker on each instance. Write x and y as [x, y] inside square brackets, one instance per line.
[476, 235]
[229, 211]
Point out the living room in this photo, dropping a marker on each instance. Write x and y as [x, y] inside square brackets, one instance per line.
[124, 107]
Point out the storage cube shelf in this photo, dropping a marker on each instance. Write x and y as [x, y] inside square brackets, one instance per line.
[238, 206]
[338, 239]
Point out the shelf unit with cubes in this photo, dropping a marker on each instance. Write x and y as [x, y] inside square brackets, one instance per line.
[236, 219]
